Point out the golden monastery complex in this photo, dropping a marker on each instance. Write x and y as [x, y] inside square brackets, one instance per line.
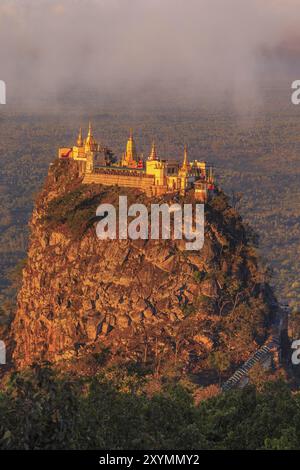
[155, 176]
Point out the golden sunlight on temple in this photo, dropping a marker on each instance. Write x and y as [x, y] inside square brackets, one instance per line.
[154, 176]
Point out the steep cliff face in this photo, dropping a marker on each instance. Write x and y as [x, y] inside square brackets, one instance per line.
[147, 301]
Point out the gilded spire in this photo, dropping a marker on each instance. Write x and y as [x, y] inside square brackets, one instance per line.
[153, 154]
[79, 138]
[130, 148]
[90, 130]
[90, 141]
[185, 159]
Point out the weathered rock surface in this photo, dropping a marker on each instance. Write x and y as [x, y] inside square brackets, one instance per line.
[147, 301]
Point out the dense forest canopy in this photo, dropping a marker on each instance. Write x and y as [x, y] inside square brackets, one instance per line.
[41, 409]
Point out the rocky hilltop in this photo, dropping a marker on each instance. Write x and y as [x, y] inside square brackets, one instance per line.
[86, 302]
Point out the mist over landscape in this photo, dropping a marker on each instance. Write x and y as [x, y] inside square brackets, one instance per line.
[146, 51]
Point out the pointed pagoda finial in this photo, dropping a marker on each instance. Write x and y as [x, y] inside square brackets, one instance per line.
[90, 142]
[185, 158]
[90, 129]
[131, 153]
[79, 138]
[153, 153]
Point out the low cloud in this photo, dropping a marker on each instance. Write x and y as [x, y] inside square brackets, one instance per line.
[147, 49]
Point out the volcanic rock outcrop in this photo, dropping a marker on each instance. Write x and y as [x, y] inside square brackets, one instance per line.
[146, 301]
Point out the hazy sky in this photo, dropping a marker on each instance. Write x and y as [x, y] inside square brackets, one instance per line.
[196, 48]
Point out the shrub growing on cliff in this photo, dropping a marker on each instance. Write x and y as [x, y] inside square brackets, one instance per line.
[73, 210]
